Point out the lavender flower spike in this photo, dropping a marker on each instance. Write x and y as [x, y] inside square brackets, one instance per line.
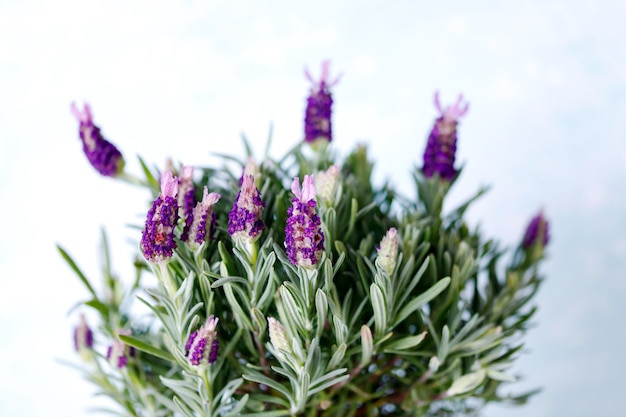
[186, 199]
[83, 338]
[157, 240]
[102, 154]
[119, 352]
[304, 239]
[202, 346]
[537, 231]
[203, 225]
[441, 147]
[317, 120]
[327, 183]
[244, 220]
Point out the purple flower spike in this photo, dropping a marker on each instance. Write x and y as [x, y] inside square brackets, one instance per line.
[119, 352]
[317, 120]
[537, 230]
[186, 199]
[441, 148]
[244, 220]
[83, 336]
[304, 239]
[203, 220]
[102, 154]
[202, 346]
[157, 241]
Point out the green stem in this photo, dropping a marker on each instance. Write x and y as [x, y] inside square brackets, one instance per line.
[207, 385]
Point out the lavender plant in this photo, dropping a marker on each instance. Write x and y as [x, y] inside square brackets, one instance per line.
[298, 287]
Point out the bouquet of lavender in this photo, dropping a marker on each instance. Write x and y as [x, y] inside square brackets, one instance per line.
[296, 287]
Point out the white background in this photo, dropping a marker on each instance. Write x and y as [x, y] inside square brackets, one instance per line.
[547, 85]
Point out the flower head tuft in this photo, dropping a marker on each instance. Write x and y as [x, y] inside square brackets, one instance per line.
[244, 220]
[157, 240]
[440, 150]
[304, 239]
[202, 347]
[102, 154]
[204, 220]
[317, 120]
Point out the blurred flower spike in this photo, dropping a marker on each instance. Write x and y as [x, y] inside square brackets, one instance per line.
[327, 183]
[83, 338]
[186, 199]
[440, 150]
[102, 154]
[538, 230]
[119, 352]
[244, 220]
[304, 239]
[204, 220]
[157, 240]
[317, 119]
[202, 346]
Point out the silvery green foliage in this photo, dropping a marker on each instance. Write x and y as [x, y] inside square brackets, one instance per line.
[431, 330]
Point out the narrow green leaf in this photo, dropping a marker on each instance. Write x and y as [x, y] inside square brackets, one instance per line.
[422, 299]
[380, 310]
[444, 344]
[144, 347]
[77, 270]
[337, 357]
[226, 280]
[467, 383]
[367, 345]
[406, 342]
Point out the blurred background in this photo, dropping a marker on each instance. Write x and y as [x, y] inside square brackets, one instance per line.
[547, 85]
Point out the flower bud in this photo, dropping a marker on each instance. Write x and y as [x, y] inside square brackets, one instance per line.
[202, 346]
[185, 199]
[327, 182]
[157, 241]
[102, 154]
[244, 220]
[304, 239]
[317, 120]
[119, 352]
[388, 251]
[537, 231]
[441, 147]
[278, 336]
[202, 227]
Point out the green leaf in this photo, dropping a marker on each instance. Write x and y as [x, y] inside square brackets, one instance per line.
[367, 345]
[144, 347]
[467, 383]
[406, 342]
[444, 344]
[226, 280]
[152, 181]
[422, 299]
[77, 270]
[337, 357]
[98, 306]
[262, 379]
[380, 310]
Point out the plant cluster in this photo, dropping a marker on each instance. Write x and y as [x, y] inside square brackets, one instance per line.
[297, 287]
